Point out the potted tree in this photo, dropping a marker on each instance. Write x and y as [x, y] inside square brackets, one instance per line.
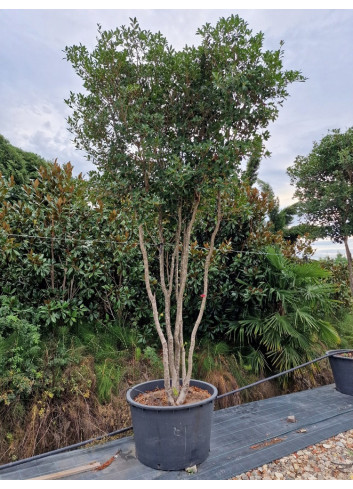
[341, 363]
[169, 131]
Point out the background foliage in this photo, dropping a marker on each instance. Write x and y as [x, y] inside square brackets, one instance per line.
[75, 324]
[21, 165]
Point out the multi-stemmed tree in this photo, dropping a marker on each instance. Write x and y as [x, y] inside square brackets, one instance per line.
[170, 130]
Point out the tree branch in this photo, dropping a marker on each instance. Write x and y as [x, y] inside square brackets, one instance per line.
[183, 277]
[186, 380]
[153, 301]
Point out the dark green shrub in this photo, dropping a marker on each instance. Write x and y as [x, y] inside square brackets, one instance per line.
[20, 357]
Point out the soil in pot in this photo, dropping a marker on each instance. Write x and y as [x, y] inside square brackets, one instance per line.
[158, 397]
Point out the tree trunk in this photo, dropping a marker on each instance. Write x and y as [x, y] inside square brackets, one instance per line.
[52, 276]
[186, 379]
[153, 301]
[174, 355]
[349, 259]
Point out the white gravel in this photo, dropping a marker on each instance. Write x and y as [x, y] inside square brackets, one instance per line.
[330, 459]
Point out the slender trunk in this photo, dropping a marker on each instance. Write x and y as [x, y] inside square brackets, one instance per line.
[349, 259]
[176, 271]
[186, 379]
[52, 276]
[153, 301]
[64, 284]
[182, 282]
[183, 354]
[71, 291]
[167, 296]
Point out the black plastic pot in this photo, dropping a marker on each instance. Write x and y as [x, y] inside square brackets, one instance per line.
[342, 369]
[171, 437]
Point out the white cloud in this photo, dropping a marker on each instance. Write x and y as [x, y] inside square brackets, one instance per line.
[36, 79]
[326, 248]
[39, 127]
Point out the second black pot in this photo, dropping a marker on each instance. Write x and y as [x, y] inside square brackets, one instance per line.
[342, 369]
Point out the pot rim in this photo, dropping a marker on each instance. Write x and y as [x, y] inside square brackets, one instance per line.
[337, 353]
[209, 400]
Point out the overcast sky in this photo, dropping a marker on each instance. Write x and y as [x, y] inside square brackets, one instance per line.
[35, 78]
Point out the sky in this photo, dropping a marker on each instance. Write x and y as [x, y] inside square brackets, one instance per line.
[36, 79]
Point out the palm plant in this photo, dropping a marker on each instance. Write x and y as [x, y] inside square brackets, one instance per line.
[285, 320]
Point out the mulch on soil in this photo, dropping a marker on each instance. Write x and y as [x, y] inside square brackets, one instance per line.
[158, 397]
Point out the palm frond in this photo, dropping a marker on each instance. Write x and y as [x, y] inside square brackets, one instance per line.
[305, 320]
[285, 358]
[257, 360]
[327, 333]
[310, 270]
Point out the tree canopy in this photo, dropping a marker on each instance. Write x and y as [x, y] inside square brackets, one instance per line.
[22, 165]
[168, 121]
[324, 187]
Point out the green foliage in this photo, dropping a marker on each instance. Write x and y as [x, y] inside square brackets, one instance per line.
[324, 187]
[324, 184]
[74, 258]
[20, 356]
[345, 330]
[339, 277]
[280, 219]
[21, 165]
[236, 279]
[169, 131]
[238, 266]
[211, 355]
[109, 376]
[171, 121]
[294, 232]
[284, 318]
[152, 356]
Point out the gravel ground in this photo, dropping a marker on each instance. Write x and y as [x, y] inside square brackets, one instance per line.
[330, 459]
